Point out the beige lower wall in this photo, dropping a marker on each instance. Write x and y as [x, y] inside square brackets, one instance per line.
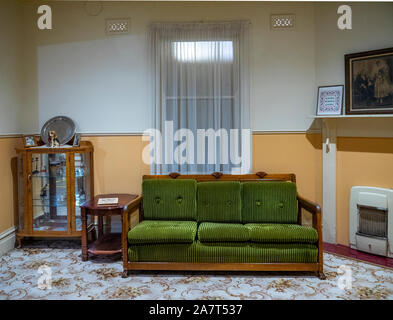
[7, 152]
[119, 167]
[360, 162]
[292, 153]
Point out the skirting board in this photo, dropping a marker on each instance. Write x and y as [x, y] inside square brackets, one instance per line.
[7, 240]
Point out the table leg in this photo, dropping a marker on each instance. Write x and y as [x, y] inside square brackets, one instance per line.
[84, 235]
[93, 234]
[108, 223]
[100, 227]
[124, 231]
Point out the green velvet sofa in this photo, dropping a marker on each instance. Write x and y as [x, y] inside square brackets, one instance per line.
[222, 225]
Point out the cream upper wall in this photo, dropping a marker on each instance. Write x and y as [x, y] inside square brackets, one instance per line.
[101, 81]
[372, 29]
[11, 36]
[10, 66]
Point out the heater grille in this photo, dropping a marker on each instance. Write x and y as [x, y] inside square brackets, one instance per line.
[372, 221]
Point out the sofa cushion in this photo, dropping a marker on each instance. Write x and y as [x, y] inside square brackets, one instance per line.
[281, 233]
[225, 252]
[153, 231]
[168, 199]
[222, 232]
[269, 202]
[219, 201]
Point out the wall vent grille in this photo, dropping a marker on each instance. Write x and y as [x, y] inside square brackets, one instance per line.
[117, 26]
[282, 21]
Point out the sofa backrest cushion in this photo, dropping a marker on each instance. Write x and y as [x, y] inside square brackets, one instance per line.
[269, 202]
[168, 199]
[219, 201]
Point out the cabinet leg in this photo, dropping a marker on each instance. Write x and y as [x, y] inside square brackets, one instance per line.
[18, 242]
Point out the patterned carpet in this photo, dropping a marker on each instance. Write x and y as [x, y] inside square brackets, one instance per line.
[100, 278]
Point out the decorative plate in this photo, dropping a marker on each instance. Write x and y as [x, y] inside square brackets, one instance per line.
[64, 127]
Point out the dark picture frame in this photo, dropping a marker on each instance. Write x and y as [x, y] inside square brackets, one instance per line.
[330, 100]
[369, 82]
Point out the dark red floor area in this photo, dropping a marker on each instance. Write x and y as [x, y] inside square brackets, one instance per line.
[352, 253]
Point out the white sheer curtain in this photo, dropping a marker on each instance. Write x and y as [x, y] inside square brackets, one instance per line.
[200, 81]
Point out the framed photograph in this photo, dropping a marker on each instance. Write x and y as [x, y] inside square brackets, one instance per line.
[330, 100]
[77, 140]
[29, 141]
[369, 82]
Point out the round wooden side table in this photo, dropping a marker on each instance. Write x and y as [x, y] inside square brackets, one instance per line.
[106, 243]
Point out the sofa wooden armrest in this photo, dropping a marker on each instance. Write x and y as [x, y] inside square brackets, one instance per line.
[308, 205]
[315, 210]
[128, 211]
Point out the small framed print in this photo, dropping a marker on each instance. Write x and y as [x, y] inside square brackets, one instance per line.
[29, 141]
[77, 140]
[330, 100]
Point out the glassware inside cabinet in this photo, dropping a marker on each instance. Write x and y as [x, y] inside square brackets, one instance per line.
[82, 185]
[49, 185]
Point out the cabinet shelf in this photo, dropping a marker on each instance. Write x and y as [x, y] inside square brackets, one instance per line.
[46, 176]
[35, 176]
[49, 205]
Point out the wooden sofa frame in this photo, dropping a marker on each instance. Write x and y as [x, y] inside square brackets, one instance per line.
[307, 205]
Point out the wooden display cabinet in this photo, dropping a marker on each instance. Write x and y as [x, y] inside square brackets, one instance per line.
[52, 184]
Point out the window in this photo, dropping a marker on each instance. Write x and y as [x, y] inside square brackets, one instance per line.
[203, 51]
[200, 89]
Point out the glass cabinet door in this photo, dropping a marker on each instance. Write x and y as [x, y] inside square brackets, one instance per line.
[49, 188]
[82, 185]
